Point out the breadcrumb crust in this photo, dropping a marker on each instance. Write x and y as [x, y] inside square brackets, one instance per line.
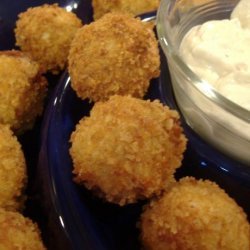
[134, 7]
[128, 149]
[22, 90]
[18, 232]
[195, 214]
[13, 176]
[117, 54]
[45, 33]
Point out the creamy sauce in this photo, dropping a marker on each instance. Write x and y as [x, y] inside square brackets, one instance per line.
[218, 52]
[242, 12]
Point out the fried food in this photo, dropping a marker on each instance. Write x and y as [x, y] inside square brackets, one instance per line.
[22, 90]
[128, 149]
[45, 33]
[134, 7]
[13, 175]
[195, 215]
[117, 54]
[18, 232]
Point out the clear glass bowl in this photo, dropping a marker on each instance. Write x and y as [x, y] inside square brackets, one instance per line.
[219, 121]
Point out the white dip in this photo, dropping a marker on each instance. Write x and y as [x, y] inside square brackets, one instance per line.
[219, 52]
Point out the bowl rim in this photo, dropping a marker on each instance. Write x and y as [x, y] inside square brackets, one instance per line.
[73, 221]
[211, 93]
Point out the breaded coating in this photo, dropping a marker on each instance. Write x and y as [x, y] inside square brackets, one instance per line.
[12, 171]
[45, 33]
[195, 214]
[117, 54]
[18, 232]
[128, 149]
[134, 7]
[22, 90]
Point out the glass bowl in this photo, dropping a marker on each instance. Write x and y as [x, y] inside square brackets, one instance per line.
[219, 121]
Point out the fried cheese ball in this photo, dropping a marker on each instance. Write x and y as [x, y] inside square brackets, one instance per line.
[195, 214]
[22, 90]
[117, 54]
[18, 232]
[128, 149]
[134, 7]
[45, 33]
[12, 171]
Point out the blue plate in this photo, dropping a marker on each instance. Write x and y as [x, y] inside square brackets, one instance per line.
[70, 217]
[85, 222]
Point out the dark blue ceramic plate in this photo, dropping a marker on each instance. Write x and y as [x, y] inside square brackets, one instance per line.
[86, 222]
[71, 218]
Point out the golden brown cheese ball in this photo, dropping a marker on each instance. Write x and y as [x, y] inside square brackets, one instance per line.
[45, 33]
[128, 149]
[117, 54]
[18, 232]
[22, 90]
[195, 215]
[12, 171]
[134, 7]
